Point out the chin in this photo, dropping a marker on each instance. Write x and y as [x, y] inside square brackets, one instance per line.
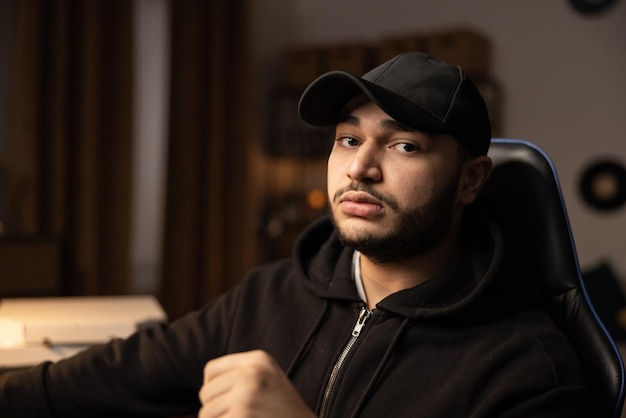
[360, 227]
[353, 232]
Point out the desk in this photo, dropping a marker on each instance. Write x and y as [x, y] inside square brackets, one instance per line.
[33, 330]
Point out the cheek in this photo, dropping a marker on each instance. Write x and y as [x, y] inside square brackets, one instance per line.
[335, 171]
[417, 189]
[411, 185]
[331, 181]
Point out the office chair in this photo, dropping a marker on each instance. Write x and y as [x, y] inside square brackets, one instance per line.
[524, 196]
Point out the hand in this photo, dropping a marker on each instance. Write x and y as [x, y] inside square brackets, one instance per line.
[249, 385]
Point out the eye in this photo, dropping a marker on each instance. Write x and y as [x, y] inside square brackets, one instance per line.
[406, 147]
[348, 141]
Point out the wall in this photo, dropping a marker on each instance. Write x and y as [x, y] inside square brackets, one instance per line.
[562, 76]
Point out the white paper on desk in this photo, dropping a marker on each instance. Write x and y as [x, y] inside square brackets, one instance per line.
[78, 320]
[11, 333]
[16, 357]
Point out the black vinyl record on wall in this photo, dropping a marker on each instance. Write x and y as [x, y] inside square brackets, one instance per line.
[603, 185]
[590, 6]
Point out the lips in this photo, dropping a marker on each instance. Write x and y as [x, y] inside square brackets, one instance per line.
[359, 204]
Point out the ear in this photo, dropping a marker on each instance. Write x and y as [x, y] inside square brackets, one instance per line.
[473, 177]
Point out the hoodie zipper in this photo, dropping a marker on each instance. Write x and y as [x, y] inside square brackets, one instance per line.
[364, 315]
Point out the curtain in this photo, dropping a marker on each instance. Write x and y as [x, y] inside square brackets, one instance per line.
[70, 136]
[71, 144]
[208, 227]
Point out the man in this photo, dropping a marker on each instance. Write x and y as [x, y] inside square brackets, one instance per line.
[407, 302]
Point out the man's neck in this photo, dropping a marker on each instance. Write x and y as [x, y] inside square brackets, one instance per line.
[382, 279]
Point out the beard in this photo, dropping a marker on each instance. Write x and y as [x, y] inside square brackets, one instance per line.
[414, 232]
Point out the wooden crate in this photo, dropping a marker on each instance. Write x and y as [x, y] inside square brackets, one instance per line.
[301, 66]
[392, 46]
[353, 58]
[462, 47]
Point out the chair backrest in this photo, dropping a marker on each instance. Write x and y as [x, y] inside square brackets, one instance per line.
[524, 196]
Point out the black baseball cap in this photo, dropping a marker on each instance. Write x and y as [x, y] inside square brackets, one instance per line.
[415, 89]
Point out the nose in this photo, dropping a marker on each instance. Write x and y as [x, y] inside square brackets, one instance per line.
[365, 165]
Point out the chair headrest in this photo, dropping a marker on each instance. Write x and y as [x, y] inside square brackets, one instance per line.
[523, 195]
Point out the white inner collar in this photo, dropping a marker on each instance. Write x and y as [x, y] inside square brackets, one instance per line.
[356, 275]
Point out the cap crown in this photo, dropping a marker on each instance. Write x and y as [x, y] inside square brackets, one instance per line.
[415, 89]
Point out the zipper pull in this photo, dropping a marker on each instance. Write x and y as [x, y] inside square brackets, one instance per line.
[360, 323]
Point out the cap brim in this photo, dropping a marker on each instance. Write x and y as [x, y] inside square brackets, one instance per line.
[323, 100]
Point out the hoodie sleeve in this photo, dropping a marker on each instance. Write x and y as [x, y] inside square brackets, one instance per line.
[134, 375]
[154, 372]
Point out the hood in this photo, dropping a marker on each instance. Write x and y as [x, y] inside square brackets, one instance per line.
[489, 282]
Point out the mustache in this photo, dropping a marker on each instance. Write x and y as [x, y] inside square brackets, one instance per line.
[367, 188]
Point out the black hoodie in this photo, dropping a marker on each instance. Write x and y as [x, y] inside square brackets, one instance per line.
[470, 342]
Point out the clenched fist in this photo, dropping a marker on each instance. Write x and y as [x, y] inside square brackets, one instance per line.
[249, 385]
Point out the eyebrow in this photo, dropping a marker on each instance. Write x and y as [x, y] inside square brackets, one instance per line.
[396, 126]
[391, 124]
